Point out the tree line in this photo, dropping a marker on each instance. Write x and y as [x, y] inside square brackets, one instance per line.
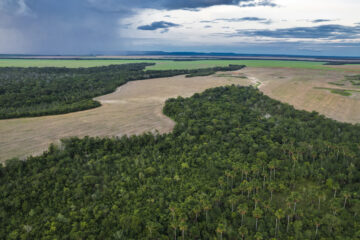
[238, 165]
[31, 92]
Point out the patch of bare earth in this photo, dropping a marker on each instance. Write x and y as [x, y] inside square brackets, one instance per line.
[348, 67]
[134, 108]
[298, 88]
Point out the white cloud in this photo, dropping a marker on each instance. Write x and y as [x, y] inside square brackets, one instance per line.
[289, 14]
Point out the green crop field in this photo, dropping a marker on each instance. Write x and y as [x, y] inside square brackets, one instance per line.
[163, 64]
[166, 65]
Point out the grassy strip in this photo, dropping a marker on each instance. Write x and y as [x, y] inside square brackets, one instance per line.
[336, 83]
[164, 64]
[343, 92]
[160, 64]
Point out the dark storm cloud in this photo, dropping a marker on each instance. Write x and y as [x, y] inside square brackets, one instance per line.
[321, 20]
[158, 25]
[330, 32]
[245, 19]
[79, 26]
[123, 5]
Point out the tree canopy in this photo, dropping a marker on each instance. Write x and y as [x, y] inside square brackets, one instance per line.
[31, 92]
[238, 165]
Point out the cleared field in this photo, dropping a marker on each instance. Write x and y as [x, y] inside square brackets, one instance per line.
[166, 65]
[302, 89]
[134, 108]
[350, 67]
[169, 64]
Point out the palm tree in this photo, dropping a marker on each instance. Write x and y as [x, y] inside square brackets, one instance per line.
[264, 174]
[257, 213]
[227, 174]
[174, 224]
[243, 231]
[272, 166]
[151, 226]
[232, 200]
[258, 236]
[317, 224]
[183, 228]
[206, 206]
[321, 196]
[288, 216]
[245, 170]
[242, 209]
[267, 206]
[295, 196]
[256, 199]
[279, 215]
[346, 195]
[271, 188]
[335, 206]
[172, 208]
[220, 229]
[335, 187]
[255, 169]
[249, 188]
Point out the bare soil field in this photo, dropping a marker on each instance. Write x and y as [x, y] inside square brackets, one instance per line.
[298, 88]
[134, 108]
[349, 67]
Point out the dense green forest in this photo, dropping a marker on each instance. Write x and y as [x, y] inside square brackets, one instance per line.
[238, 165]
[29, 92]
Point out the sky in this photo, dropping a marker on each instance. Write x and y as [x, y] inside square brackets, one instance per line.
[292, 27]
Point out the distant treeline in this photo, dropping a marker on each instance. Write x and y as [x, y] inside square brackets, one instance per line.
[341, 63]
[210, 71]
[30, 92]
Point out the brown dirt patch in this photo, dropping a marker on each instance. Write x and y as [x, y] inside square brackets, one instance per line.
[297, 87]
[351, 67]
[134, 108]
[137, 106]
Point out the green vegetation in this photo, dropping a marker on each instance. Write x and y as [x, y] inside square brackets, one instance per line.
[210, 71]
[160, 64]
[29, 92]
[355, 79]
[343, 92]
[238, 165]
[337, 83]
[166, 65]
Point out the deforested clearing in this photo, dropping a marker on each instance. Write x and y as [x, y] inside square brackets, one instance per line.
[134, 108]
